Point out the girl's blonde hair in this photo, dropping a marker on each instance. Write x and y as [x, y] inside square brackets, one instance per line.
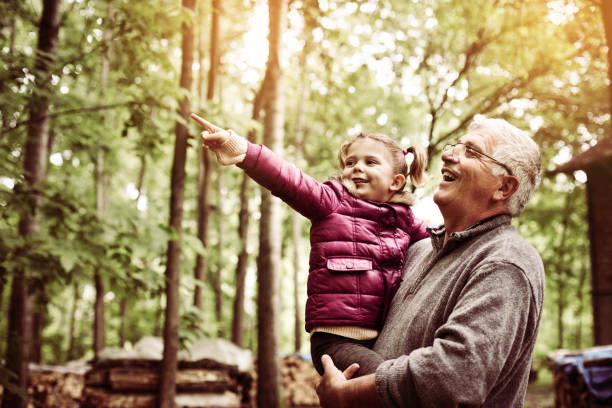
[398, 157]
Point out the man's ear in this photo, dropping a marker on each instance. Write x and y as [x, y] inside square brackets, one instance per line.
[508, 186]
[399, 180]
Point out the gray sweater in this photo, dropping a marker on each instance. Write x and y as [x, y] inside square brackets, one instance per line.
[462, 327]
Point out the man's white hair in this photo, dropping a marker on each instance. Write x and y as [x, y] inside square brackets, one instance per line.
[519, 152]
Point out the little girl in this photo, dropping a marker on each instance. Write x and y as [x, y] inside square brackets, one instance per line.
[361, 227]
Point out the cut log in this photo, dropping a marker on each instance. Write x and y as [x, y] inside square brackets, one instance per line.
[103, 398]
[141, 379]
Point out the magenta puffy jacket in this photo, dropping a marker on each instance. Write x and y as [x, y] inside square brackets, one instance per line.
[357, 246]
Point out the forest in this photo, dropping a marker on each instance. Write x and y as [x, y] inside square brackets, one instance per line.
[115, 224]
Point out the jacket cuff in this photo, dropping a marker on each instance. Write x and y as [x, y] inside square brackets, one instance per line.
[251, 157]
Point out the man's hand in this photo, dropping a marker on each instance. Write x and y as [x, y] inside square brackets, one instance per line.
[227, 145]
[332, 384]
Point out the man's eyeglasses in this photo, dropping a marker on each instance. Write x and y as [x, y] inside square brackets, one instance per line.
[460, 149]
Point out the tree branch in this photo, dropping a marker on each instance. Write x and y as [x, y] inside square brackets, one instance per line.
[72, 112]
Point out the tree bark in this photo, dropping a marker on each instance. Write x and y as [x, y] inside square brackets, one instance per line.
[580, 298]
[562, 271]
[99, 323]
[123, 309]
[35, 166]
[203, 225]
[269, 259]
[298, 221]
[71, 332]
[99, 340]
[38, 323]
[243, 228]
[214, 49]
[606, 13]
[218, 279]
[243, 235]
[168, 368]
[205, 165]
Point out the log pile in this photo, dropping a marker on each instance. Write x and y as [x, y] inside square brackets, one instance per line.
[135, 383]
[213, 373]
[126, 381]
[57, 387]
[571, 389]
[299, 379]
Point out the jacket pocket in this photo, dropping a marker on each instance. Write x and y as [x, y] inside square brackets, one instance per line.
[348, 264]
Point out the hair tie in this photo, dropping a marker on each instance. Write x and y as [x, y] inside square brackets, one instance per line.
[406, 151]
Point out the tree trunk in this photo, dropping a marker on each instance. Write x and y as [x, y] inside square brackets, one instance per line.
[38, 323]
[70, 353]
[168, 368]
[123, 309]
[35, 165]
[269, 259]
[99, 340]
[297, 219]
[243, 235]
[203, 222]
[3, 282]
[241, 267]
[99, 323]
[214, 49]
[600, 299]
[218, 279]
[580, 298]
[205, 166]
[606, 13]
[562, 270]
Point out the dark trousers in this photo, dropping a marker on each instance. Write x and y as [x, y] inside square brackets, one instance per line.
[344, 352]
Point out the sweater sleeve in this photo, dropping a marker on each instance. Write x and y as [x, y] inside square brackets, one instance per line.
[479, 343]
[303, 193]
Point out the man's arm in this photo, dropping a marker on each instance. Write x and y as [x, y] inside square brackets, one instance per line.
[338, 390]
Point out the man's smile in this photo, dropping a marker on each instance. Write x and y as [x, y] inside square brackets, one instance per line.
[448, 175]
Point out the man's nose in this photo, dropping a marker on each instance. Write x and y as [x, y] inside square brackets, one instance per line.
[449, 155]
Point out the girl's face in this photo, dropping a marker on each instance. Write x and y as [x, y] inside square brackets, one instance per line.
[368, 166]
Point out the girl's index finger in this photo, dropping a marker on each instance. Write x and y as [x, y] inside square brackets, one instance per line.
[209, 126]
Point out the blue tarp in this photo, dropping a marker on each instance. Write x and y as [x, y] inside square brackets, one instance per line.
[598, 377]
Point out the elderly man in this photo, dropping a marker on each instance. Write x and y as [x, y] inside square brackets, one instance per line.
[462, 327]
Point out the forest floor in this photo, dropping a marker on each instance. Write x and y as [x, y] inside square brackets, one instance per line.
[298, 382]
[540, 395]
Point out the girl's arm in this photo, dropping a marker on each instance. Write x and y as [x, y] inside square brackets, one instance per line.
[302, 192]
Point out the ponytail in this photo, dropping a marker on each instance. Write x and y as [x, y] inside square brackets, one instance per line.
[417, 167]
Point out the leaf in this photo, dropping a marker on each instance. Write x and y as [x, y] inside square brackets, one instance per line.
[68, 259]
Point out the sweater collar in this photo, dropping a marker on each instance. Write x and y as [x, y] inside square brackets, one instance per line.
[455, 238]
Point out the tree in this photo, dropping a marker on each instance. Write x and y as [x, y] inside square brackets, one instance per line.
[171, 324]
[268, 260]
[205, 164]
[100, 181]
[35, 160]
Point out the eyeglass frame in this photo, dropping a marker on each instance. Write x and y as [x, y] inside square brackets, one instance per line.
[451, 147]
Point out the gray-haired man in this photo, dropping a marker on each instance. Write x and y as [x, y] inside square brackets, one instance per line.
[462, 327]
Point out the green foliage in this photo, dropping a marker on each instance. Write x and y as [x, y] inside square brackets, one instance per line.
[418, 71]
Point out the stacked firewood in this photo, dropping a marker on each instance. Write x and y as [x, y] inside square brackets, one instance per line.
[135, 383]
[299, 381]
[56, 386]
[571, 390]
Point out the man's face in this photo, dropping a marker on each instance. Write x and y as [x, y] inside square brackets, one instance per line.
[468, 182]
